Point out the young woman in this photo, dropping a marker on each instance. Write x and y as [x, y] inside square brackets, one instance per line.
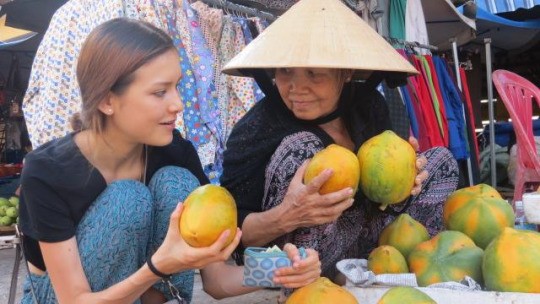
[100, 207]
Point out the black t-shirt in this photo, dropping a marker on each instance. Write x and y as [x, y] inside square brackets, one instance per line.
[58, 185]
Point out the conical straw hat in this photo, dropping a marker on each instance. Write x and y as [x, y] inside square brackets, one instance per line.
[319, 34]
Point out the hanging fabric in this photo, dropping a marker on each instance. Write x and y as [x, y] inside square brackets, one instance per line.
[438, 108]
[470, 112]
[415, 25]
[53, 95]
[456, 124]
[397, 18]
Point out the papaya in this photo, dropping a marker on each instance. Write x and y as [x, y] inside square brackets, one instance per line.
[511, 262]
[208, 211]
[405, 295]
[322, 291]
[478, 211]
[344, 164]
[387, 259]
[448, 256]
[404, 233]
[387, 168]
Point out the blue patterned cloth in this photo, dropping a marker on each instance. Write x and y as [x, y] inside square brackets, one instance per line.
[203, 66]
[248, 37]
[123, 227]
[196, 130]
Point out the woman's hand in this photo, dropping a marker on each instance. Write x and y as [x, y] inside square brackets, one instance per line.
[421, 162]
[302, 272]
[175, 255]
[305, 207]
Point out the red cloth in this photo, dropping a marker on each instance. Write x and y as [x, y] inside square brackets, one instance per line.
[472, 132]
[442, 108]
[423, 137]
[427, 110]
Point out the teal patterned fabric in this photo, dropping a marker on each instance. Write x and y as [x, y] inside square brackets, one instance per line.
[122, 228]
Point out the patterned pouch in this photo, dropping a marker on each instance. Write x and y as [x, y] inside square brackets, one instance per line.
[259, 265]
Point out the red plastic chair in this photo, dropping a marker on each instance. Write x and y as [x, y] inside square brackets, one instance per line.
[517, 93]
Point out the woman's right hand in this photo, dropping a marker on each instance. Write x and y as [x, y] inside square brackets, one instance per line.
[175, 255]
[305, 207]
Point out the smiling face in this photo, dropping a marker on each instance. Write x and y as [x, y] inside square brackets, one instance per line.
[146, 111]
[311, 93]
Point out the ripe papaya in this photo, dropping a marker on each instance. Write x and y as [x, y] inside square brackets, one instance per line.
[208, 211]
[478, 211]
[404, 233]
[387, 168]
[322, 291]
[344, 164]
[448, 256]
[511, 262]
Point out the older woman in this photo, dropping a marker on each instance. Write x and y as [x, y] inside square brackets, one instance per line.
[326, 64]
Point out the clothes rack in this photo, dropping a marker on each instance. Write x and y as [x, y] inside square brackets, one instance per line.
[226, 5]
[411, 44]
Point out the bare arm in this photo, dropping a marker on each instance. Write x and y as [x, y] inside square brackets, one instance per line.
[174, 255]
[302, 206]
[221, 280]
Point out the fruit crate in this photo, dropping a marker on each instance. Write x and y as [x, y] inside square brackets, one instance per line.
[371, 295]
[9, 230]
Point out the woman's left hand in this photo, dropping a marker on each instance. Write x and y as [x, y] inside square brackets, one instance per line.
[302, 271]
[421, 162]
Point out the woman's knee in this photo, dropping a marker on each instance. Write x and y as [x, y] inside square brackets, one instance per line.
[126, 199]
[126, 193]
[172, 181]
[440, 158]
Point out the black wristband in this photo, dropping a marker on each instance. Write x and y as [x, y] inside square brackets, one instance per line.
[154, 270]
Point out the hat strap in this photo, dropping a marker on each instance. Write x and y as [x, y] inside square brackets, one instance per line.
[327, 118]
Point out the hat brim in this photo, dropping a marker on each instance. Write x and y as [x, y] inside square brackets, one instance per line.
[319, 34]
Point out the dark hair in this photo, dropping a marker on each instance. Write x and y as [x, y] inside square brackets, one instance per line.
[112, 52]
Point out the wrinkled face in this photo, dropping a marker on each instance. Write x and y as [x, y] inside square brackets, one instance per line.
[146, 111]
[310, 93]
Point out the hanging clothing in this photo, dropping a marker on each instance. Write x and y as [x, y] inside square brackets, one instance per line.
[454, 106]
[281, 5]
[415, 25]
[398, 113]
[365, 9]
[383, 11]
[411, 114]
[203, 63]
[421, 92]
[397, 18]
[211, 23]
[248, 37]
[235, 95]
[467, 96]
[437, 91]
[53, 94]
[438, 109]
